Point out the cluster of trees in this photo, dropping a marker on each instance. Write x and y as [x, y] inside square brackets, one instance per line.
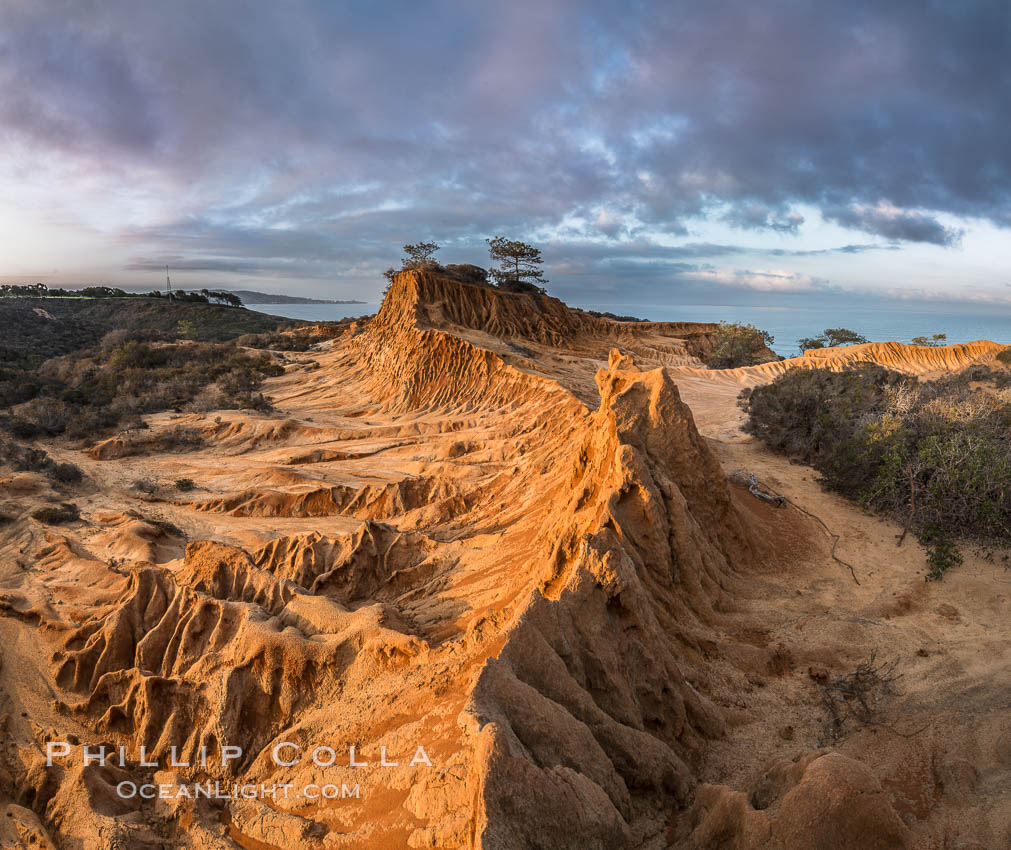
[844, 336]
[40, 290]
[831, 338]
[932, 341]
[204, 296]
[518, 265]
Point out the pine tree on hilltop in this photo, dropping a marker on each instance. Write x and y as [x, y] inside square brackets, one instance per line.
[518, 265]
[419, 256]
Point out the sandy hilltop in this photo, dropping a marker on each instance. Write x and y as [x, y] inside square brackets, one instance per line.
[492, 539]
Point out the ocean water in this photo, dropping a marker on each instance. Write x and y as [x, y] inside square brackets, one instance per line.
[878, 322]
[315, 312]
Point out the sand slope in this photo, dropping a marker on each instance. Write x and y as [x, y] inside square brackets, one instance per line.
[494, 527]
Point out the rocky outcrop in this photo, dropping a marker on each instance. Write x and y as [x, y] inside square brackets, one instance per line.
[436, 301]
[821, 801]
[588, 704]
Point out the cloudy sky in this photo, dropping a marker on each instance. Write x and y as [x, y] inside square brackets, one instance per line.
[656, 151]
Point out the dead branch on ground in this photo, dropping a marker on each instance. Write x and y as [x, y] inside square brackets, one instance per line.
[854, 700]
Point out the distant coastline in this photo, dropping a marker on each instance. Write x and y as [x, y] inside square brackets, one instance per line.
[248, 296]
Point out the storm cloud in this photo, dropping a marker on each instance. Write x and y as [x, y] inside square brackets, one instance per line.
[311, 139]
[897, 224]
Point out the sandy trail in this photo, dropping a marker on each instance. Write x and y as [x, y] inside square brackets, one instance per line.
[476, 529]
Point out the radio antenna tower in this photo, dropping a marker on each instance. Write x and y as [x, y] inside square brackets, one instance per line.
[168, 283]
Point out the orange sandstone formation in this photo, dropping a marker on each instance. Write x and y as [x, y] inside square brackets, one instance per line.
[485, 560]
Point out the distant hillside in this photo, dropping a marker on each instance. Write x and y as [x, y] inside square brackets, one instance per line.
[48, 327]
[248, 296]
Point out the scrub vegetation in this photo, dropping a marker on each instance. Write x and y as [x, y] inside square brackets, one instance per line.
[127, 375]
[736, 345]
[935, 456]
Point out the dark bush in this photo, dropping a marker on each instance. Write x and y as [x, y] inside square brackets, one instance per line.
[254, 401]
[978, 372]
[466, 272]
[614, 316]
[185, 484]
[67, 512]
[134, 354]
[19, 385]
[148, 486]
[24, 458]
[523, 287]
[50, 415]
[176, 439]
[23, 429]
[801, 412]
[67, 473]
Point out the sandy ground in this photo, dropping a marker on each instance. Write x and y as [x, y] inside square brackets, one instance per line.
[521, 554]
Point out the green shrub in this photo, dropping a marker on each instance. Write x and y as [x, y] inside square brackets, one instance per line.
[942, 554]
[30, 338]
[134, 354]
[1004, 356]
[185, 484]
[736, 345]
